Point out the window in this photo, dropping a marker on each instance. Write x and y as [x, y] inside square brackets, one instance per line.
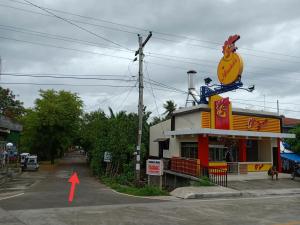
[252, 151]
[217, 153]
[189, 150]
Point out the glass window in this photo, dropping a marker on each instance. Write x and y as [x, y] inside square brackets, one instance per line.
[217, 153]
[189, 150]
[252, 151]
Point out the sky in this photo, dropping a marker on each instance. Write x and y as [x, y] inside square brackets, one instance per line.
[93, 43]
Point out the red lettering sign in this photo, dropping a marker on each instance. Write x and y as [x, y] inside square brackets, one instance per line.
[256, 124]
[222, 114]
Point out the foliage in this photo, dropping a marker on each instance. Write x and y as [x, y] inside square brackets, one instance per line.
[52, 125]
[294, 142]
[170, 107]
[117, 134]
[9, 106]
[143, 191]
[203, 181]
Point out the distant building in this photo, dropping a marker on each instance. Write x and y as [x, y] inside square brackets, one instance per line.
[9, 131]
[289, 123]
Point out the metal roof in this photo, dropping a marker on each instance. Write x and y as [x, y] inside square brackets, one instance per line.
[8, 124]
[235, 133]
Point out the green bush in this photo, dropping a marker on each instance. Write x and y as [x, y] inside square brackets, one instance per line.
[143, 191]
[203, 181]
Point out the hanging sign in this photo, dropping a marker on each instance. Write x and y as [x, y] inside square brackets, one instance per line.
[230, 67]
[222, 114]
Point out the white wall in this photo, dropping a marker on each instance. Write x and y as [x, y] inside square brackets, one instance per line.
[188, 121]
[156, 131]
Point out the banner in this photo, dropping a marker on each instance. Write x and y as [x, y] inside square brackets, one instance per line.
[222, 114]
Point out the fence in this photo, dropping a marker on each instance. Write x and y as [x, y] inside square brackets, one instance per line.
[192, 167]
[186, 166]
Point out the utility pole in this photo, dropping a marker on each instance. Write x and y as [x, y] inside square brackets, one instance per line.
[141, 103]
[278, 107]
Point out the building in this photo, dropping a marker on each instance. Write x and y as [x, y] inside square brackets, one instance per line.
[289, 123]
[252, 142]
[9, 132]
[212, 134]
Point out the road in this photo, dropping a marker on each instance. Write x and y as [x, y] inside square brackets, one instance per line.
[45, 201]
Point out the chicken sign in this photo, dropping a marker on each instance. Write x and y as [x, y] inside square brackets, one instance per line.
[230, 66]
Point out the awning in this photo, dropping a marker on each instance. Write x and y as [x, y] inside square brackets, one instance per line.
[236, 133]
[291, 156]
[160, 139]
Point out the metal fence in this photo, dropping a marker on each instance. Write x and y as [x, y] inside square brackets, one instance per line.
[192, 167]
[216, 175]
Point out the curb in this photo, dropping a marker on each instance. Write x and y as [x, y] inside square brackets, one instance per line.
[237, 194]
[212, 195]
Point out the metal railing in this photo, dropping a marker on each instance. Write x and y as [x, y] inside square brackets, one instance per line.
[192, 167]
[233, 167]
[186, 166]
[216, 175]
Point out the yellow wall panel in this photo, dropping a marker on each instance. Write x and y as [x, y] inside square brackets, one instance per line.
[205, 118]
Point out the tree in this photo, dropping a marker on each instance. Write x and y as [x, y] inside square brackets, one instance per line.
[117, 134]
[295, 143]
[53, 124]
[9, 106]
[170, 107]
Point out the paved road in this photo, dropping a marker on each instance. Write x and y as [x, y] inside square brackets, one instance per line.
[44, 202]
[50, 189]
[256, 211]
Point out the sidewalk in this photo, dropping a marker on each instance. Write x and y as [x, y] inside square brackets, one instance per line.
[255, 176]
[241, 188]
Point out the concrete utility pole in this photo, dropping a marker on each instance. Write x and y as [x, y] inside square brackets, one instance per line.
[278, 107]
[141, 103]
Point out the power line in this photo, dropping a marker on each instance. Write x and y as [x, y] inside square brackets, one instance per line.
[77, 21]
[65, 48]
[61, 84]
[66, 77]
[158, 32]
[58, 37]
[76, 25]
[69, 75]
[150, 54]
[282, 109]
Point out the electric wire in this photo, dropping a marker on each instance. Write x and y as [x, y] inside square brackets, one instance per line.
[175, 35]
[76, 25]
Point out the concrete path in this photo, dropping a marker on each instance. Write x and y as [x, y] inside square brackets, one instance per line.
[50, 189]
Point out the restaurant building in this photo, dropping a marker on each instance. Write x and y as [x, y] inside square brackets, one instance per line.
[214, 134]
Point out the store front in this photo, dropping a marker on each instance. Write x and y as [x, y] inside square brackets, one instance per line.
[214, 134]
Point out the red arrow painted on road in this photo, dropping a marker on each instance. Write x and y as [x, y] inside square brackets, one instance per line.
[73, 180]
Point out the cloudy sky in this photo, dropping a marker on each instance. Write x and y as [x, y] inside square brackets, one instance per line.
[36, 45]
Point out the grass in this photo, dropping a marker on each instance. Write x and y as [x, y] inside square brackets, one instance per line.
[203, 181]
[138, 191]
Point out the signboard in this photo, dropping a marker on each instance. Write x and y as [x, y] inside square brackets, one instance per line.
[230, 66]
[107, 157]
[255, 124]
[222, 114]
[154, 167]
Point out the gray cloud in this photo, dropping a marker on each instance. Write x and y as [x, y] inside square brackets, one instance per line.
[263, 25]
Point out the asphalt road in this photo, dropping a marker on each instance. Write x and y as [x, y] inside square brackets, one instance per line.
[51, 189]
[45, 202]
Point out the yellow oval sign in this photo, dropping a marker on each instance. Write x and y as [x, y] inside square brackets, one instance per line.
[230, 67]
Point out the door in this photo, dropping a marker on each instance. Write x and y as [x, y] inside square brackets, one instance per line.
[275, 157]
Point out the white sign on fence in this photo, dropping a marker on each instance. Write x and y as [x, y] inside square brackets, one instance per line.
[155, 167]
[107, 157]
